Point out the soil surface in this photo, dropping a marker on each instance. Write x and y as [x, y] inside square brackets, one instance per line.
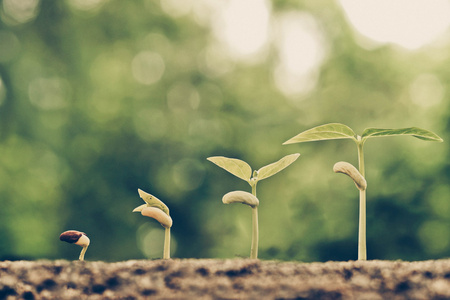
[224, 279]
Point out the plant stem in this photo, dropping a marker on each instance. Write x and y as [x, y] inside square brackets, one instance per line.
[361, 156]
[167, 243]
[362, 251]
[255, 234]
[254, 249]
[83, 251]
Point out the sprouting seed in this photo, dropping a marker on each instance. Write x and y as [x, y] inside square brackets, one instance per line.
[78, 238]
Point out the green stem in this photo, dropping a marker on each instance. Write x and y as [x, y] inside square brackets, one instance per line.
[362, 250]
[83, 251]
[360, 144]
[255, 234]
[167, 243]
[254, 249]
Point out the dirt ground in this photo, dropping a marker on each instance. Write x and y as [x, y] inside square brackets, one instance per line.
[224, 279]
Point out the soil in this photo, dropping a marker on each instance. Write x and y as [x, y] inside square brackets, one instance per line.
[224, 279]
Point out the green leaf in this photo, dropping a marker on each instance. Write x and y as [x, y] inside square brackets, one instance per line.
[235, 166]
[330, 131]
[151, 201]
[276, 167]
[413, 131]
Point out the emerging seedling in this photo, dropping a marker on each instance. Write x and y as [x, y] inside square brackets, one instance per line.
[340, 131]
[156, 209]
[243, 170]
[78, 238]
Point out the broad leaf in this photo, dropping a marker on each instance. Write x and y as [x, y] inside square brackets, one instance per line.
[276, 167]
[151, 201]
[324, 132]
[237, 167]
[413, 131]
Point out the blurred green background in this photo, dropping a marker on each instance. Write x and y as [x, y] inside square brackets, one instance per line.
[99, 98]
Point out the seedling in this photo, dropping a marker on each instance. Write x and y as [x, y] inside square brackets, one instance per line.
[243, 170]
[339, 131]
[78, 238]
[156, 209]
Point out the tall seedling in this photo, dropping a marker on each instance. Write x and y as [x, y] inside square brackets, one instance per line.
[243, 170]
[340, 131]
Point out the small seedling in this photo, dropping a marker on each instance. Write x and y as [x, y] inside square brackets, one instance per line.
[156, 209]
[340, 131]
[243, 170]
[78, 238]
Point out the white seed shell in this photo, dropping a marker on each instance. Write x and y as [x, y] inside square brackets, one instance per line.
[348, 169]
[140, 208]
[83, 241]
[158, 215]
[240, 197]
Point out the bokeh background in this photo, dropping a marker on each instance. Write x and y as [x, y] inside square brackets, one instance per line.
[101, 97]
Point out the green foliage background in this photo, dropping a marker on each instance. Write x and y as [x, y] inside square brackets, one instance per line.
[79, 135]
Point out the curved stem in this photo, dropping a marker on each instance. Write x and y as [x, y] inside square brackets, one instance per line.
[83, 251]
[255, 233]
[166, 254]
[362, 251]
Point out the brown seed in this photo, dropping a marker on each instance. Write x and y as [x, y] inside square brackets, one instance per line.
[71, 236]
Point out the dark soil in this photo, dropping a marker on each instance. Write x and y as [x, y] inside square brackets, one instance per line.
[224, 279]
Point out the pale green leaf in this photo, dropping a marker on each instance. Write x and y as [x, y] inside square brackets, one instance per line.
[151, 201]
[412, 131]
[330, 131]
[276, 167]
[237, 167]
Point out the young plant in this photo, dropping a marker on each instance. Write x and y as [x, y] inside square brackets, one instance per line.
[339, 131]
[78, 238]
[243, 170]
[156, 209]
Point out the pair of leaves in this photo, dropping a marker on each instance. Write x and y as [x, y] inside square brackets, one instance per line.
[340, 131]
[241, 169]
[151, 201]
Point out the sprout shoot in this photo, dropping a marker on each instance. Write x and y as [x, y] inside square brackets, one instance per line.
[78, 238]
[156, 209]
[242, 170]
